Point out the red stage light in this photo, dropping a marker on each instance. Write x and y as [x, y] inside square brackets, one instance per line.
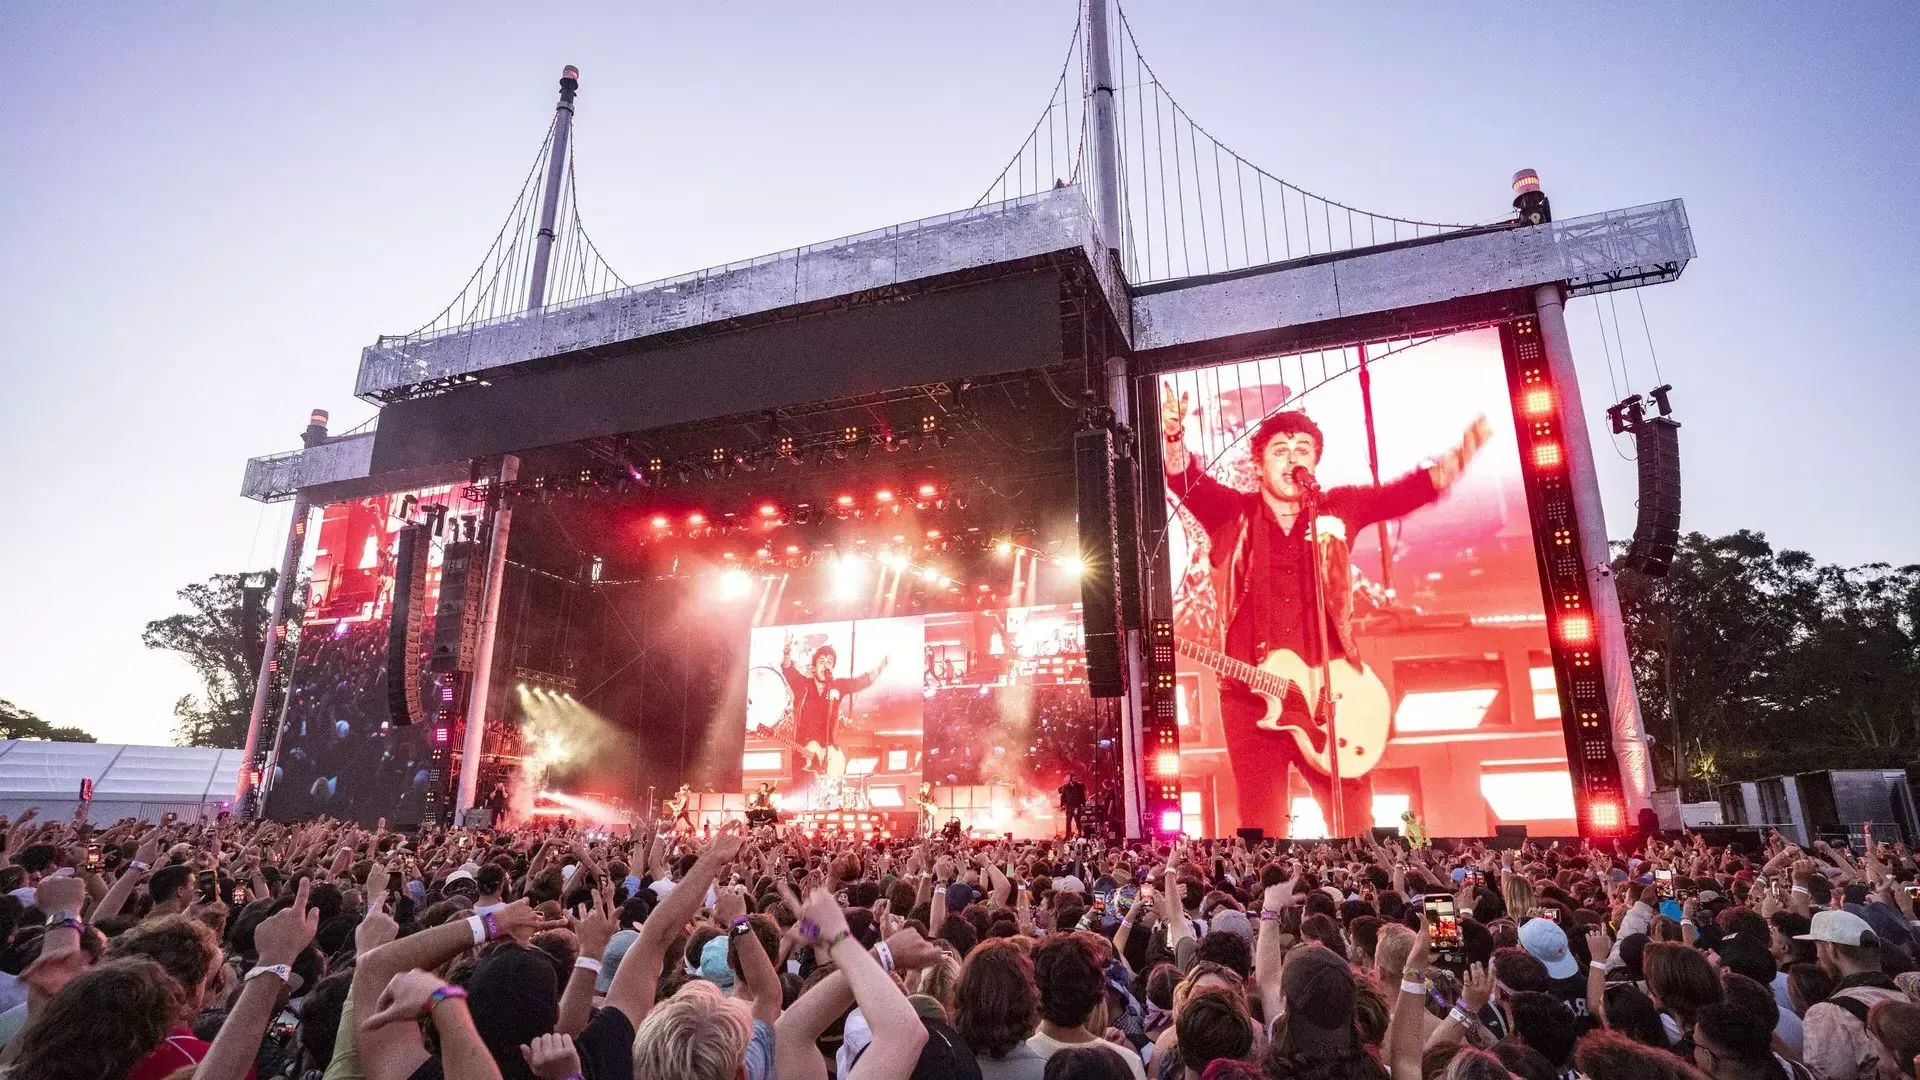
[883, 495]
[1166, 763]
[927, 489]
[660, 521]
[845, 500]
[933, 534]
[1536, 403]
[1604, 815]
[1546, 456]
[696, 518]
[768, 510]
[1576, 630]
[1169, 820]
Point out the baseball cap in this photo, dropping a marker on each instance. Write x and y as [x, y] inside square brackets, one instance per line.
[1546, 942]
[1320, 994]
[1840, 928]
[616, 951]
[1233, 922]
[713, 963]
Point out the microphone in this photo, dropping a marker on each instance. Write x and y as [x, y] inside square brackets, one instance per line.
[1303, 479]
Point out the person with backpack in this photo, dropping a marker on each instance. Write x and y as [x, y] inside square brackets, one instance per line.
[1838, 1044]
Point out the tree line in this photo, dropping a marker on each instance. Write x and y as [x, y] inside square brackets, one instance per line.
[1753, 662]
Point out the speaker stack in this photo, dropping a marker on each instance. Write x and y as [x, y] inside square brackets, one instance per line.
[1099, 556]
[406, 625]
[456, 622]
[1656, 532]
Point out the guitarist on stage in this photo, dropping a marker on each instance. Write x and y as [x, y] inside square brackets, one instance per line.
[1263, 567]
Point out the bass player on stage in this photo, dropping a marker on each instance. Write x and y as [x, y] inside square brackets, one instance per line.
[1263, 571]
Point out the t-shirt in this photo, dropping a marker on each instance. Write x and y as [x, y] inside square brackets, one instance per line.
[605, 1046]
[177, 1050]
[1023, 1062]
[759, 1052]
[11, 1022]
[1572, 992]
[1046, 1047]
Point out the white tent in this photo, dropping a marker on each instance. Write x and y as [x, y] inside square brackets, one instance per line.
[128, 781]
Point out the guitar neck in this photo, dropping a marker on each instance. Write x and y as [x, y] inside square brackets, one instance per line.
[1255, 678]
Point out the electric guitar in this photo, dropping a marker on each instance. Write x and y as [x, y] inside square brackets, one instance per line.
[1298, 704]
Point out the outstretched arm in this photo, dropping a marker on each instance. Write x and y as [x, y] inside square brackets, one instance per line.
[639, 975]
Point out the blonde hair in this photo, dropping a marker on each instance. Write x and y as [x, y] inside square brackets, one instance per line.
[940, 981]
[1517, 891]
[1390, 953]
[697, 1034]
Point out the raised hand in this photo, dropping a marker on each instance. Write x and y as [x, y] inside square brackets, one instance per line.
[730, 902]
[726, 843]
[404, 999]
[912, 952]
[552, 1057]
[596, 925]
[280, 937]
[375, 930]
[1173, 427]
[1599, 945]
[1476, 988]
[60, 894]
[520, 922]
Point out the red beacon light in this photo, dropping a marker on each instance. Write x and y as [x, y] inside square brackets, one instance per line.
[1537, 403]
[1576, 630]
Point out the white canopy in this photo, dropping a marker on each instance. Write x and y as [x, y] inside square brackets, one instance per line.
[128, 780]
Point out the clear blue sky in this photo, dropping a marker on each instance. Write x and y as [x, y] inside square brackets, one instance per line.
[208, 209]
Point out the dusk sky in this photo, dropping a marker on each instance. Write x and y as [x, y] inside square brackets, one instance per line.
[209, 209]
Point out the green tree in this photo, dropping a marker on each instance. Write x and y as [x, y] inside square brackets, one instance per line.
[221, 636]
[1754, 662]
[18, 723]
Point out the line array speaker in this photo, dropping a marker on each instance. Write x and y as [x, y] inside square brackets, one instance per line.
[456, 622]
[1099, 551]
[405, 626]
[1656, 532]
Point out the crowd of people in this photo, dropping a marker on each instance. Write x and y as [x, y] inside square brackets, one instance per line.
[330, 949]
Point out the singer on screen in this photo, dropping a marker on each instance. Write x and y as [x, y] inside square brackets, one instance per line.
[1293, 690]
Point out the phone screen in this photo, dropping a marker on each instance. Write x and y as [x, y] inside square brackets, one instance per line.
[1663, 881]
[1549, 913]
[93, 855]
[1443, 922]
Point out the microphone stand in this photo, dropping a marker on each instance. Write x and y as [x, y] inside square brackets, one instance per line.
[1336, 799]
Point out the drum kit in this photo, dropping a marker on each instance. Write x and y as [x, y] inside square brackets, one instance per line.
[770, 717]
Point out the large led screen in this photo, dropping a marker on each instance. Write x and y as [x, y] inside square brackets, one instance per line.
[339, 752]
[987, 708]
[1418, 552]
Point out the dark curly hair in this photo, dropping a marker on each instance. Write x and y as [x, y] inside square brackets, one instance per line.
[103, 1023]
[996, 1005]
[1213, 1024]
[1068, 978]
[1290, 422]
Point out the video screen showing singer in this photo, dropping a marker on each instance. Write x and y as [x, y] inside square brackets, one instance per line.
[818, 693]
[1270, 587]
